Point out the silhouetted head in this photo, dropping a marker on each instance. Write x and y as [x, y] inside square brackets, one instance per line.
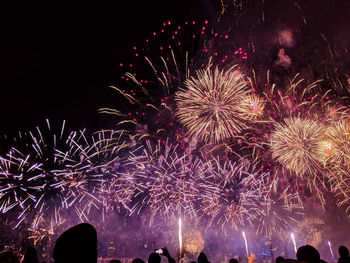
[31, 256]
[308, 253]
[193, 262]
[138, 260]
[233, 260]
[77, 244]
[115, 261]
[279, 259]
[154, 258]
[202, 258]
[343, 252]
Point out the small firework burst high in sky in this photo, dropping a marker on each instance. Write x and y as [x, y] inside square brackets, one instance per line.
[211, 130]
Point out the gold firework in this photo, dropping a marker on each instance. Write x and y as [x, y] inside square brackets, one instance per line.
[311, 231]
[298, 145]
[193, 241]
[214, 106]
[340, 185]
[256, 106]
[234, 215]
[337, 137]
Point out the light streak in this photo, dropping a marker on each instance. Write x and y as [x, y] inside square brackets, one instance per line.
[294, 244]
[246, 244]
[180, 238]
[330, 249]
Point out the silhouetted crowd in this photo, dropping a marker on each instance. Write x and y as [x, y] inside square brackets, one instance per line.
[79, 245]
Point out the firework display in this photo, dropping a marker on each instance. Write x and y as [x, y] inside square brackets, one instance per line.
[211, 136]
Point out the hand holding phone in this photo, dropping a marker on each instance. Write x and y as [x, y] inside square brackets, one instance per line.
[159, 251]
[166, 252]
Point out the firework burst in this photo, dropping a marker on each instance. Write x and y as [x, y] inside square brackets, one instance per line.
[43, 230]
[339, 179]
[98, 157]
[20, 183]
[256, 106]
[270, 211]
[29, 174]
[38, 149]
[167, 59]
[297, 145]
[273, 105]
[312, 230]
[222, 206]
[162, 180]
[91, 172]
[116, 193]
[337, 142]
[214, 105]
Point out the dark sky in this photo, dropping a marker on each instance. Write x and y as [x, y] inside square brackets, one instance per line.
[58, 61]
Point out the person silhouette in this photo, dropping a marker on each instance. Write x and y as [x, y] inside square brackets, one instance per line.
[78, 244]
[202, 258]
[233, 260]
[309, 254]
[154, 258]
[31, 256]
[138, 260]
[167, 255]
[344, 255]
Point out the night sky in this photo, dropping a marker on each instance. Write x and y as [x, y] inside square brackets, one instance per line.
[58, 61]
